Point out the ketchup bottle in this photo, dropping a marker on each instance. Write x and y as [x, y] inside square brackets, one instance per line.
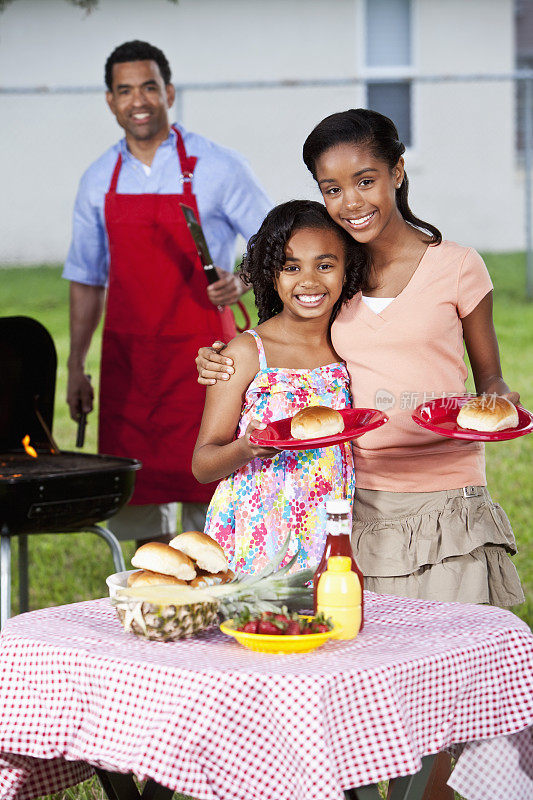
[338, 532]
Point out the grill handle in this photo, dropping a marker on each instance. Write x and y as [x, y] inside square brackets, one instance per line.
[82, 423]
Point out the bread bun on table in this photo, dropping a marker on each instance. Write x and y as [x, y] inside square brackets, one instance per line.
[144, 577]
[202, 549]
[159, 557]
[208, 579]
[488, 413]
[316, 421]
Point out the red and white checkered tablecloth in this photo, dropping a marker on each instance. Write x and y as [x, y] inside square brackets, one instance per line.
[209, 718]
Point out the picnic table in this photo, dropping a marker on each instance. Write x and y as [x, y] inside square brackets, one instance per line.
[209, 718]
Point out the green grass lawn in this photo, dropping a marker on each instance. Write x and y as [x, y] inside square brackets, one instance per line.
[66, 568]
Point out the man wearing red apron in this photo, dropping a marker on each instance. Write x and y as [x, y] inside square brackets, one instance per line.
[130, 233]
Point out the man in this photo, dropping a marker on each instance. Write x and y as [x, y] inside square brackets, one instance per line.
[129, 235]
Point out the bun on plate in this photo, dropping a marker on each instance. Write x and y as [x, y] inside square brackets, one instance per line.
[316, 421]
[144, 577]
[208, 579]
[207, 553]
[159, 557]
[488, 413]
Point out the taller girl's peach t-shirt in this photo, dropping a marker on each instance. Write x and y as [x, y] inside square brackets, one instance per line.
[408, 354]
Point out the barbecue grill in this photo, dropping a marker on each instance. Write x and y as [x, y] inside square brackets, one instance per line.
[51, 492]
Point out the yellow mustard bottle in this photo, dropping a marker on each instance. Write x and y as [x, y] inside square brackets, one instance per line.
[339, 596]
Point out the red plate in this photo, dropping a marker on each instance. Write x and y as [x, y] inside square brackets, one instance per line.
[356, 422]
[440, 416]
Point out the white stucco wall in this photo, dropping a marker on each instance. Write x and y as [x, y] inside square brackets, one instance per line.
[461, 167]
[465, 169]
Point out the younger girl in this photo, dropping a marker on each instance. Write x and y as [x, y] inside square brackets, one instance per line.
[302, 268]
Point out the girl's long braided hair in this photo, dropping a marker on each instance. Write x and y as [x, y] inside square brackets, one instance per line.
[265, 254]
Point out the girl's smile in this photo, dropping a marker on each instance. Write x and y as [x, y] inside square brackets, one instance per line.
[310, 300]
[359, 190]
[361, 223]
[310, 281]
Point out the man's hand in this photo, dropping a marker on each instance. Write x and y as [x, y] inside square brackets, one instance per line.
[211, 366]
[80, 394]
[227, 290]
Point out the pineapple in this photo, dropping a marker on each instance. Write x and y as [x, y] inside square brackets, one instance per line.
[166, 613]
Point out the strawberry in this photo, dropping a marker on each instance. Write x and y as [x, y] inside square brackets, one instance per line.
[320, 624]
[250, 627]
[268, 627]
[293, 628]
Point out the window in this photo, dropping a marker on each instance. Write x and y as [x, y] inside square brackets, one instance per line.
[393, 100]
[389, 62]
[524, 60]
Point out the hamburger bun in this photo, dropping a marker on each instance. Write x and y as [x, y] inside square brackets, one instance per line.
[207, 553]
[144, 577]
[488, 413]
[159, 557]
[316, 421]
[208, 579]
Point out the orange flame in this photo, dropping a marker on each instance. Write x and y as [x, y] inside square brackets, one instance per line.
[31, 451]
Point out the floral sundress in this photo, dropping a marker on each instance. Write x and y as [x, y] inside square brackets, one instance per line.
[253, 509]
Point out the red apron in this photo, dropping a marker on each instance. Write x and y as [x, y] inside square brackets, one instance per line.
[157, 316]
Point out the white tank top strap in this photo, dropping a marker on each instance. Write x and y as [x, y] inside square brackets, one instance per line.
[260, 349]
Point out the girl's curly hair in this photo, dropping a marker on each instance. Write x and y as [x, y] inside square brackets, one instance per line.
[265, 254]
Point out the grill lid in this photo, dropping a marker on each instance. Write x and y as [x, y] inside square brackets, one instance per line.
[28, 364]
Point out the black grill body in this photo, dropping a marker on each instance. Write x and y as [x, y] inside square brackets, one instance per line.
[55, 492]
[63, 492]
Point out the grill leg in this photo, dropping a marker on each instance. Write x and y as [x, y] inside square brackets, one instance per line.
[111, 539]
[24, 598]
[5, 577]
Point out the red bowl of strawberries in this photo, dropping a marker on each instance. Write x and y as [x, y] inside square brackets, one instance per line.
[283, 632]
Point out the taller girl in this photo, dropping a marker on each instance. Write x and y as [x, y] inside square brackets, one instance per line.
[424, 523]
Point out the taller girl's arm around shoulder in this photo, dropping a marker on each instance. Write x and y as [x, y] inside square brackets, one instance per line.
[217, 454]
[482, 347]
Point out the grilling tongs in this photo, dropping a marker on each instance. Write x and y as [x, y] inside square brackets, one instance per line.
[205, 257]
[54, 449]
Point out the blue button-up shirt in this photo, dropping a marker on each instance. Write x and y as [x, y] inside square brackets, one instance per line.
[230, 200]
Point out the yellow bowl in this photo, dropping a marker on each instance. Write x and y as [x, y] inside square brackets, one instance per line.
[267, 643]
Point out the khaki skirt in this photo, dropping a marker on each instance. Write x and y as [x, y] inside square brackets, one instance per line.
[452, 545]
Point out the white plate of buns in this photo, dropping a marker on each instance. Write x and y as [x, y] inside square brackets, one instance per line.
[487, 418]
[318, 426]
[191, 558]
